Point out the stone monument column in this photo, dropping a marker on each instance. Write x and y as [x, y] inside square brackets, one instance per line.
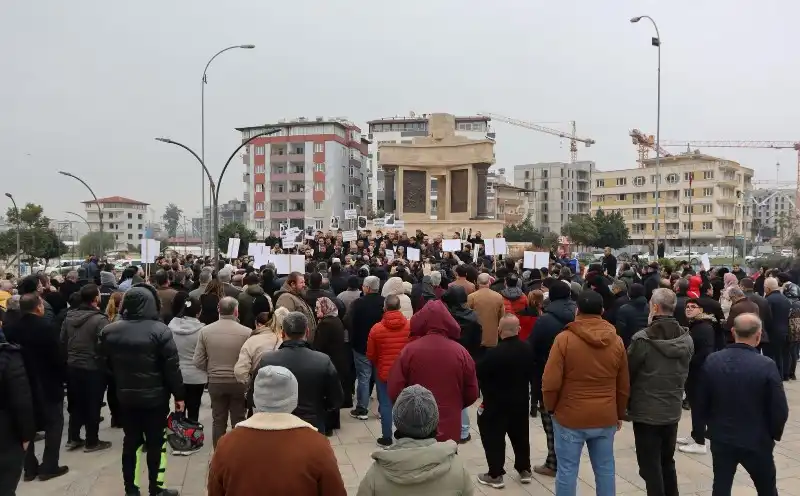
[389, 172]
[481, 170]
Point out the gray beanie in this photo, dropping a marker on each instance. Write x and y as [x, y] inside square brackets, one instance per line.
[275, 390]
[415, 413]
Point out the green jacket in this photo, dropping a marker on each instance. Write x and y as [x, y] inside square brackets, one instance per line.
[417, 467]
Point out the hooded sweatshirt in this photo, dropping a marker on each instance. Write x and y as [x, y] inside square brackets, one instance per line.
[658, 360]
[417, 467]
[588, 347]
[80, 336]
[185, 332]
[394, 286]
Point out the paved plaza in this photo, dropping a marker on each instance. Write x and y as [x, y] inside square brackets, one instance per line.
[99, 474]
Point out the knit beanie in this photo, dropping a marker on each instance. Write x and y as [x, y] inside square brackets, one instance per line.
[415, 413]
[275, 390]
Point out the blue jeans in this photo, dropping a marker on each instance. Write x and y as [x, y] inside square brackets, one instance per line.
[363, 374]
[569, 445]
[464, 424]
[384, 408]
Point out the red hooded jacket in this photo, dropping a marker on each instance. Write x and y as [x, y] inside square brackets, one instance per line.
[436, 361]
[694, 287]
[386, 340]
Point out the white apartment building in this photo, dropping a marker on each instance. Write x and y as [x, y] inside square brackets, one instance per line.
[770, 206]
[559, 191]
[713, 209]
[122, 217]
[404, 130]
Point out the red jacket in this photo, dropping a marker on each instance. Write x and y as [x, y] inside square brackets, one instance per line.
[386, 340]
[439, 363]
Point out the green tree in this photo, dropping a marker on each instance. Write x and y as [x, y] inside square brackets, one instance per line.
[171, 218]
[525, 232]
[611, 230]
[230, 231]
[90, 243]
[37, 240]
[581, 229]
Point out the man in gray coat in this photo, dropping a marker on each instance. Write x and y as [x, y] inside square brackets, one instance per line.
[658, 360]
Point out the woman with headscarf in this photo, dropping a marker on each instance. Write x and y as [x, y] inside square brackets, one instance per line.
[730, 281]
[394, 285]
[329, 339]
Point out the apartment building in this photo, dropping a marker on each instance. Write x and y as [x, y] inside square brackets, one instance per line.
[559, 190]
[229, 212]
[122, 217]
[404, 130]
[713, 208]
[310, 170]
[771, 209]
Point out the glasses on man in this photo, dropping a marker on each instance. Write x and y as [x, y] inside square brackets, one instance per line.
[692, 307]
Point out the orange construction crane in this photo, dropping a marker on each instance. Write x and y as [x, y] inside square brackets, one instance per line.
[645, 142]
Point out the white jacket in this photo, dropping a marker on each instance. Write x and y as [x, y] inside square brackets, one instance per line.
[394, 286]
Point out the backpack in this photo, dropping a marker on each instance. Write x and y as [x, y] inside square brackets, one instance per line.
[184, 436]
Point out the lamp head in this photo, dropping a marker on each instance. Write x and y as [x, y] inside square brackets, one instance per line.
[636, 19]
[64, 173]
[247, 46]
[9, 195]
[163, 140]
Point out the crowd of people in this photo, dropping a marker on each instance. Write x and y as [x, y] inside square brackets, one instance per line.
[585, 349]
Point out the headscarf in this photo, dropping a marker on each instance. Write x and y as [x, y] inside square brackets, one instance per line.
[731, 281]
[326, 307]
[694, 287]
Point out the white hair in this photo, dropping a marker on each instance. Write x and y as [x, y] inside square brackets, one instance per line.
[373, 283]
[665, 299]
[771, 283]
[436, 278]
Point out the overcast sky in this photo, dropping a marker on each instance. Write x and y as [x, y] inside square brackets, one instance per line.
[86, 85]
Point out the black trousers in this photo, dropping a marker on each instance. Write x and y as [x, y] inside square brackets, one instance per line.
[142, 426]
[193, 398]
[760, 466]
[493, 424]
[779, 352]
[11, 460]
[698, 433]
[111, 396]
[85, 390]
[53, 416]
[551, 461]
[655, 453]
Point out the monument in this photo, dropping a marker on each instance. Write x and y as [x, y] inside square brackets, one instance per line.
[458, 164]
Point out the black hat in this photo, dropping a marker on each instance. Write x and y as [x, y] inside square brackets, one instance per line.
[560, 291]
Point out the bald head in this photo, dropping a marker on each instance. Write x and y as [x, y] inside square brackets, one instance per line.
[771, 284]
[483, 280]
[508, 326]
[747, 328]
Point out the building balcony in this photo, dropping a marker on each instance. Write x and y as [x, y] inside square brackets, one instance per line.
[278, 177]
[278, 159]
[296, 176]
[296, 157]
[290, 214]
[354, 180]
[278, 195]
[639, 201]
[729, 200]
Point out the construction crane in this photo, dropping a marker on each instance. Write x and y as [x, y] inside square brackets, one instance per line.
[573, 138]
[645, 142]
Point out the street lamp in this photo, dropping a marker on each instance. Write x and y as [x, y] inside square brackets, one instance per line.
[19, 253]
[656, 42]
[96, 202]
[203, 133]
[84, 219]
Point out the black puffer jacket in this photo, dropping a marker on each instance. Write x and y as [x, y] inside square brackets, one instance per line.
[17, 415]
[471, 332]
[632, 318]
[141, 353]
[556, 316]
[80, 336]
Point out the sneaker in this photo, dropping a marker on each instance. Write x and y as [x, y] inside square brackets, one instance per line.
[73, 445]
[466, 439]
[495, 482]
[52, 475]
[525, 477]
[100, 446]
[360, 413]
[168, 492]
[29, 477]
[544, 470]
[384, 442]
[133, 493]
[38, 437]
[685, 405]
[185, 452]
[697, 449]
[684, 440]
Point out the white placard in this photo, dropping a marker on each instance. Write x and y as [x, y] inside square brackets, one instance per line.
[476, 250]
[535, 259]
[705, 261]
[282, 264]
[378, 223]
[293, 230]
[349, 236]
[389, 255]
[495, 246]
[399, 224]
[261, 259]
[334, 224]
[233, 247]
[288, 242]
[528, 260]
[451, 245]
[150, 250]
[297, 263]
[412, 254]
[254, 249]
[350, 214]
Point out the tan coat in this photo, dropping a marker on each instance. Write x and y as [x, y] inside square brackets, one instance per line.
[251, 353]
[469, 288]
[218, 348]
[489, 306]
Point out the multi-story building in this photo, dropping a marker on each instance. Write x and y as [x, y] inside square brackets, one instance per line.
[773, 209]
[229, 212]
[404, 130]
[712, 208]
[559, 190]
[304, 174]
[122, 217]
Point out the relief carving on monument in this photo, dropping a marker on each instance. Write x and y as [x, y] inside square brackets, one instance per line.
[414, 192]
[459, 186]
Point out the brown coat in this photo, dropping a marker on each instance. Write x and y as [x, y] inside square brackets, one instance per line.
[489, 306]
[586, 383]
[469, 288]
[276, 454]
[742, 306]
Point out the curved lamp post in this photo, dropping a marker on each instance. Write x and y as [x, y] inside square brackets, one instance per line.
[89, 226]
[215, 187]
[656, 42]
[19, 253]
[203, 133]
[96, 202]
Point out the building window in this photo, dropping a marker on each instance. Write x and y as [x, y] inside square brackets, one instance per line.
[299, 150]
[380, 185]
[527, 174]
[140, 226]
[654, 178]
[352, 189]
[140, 236]
[317, 205]
[130, 226]
[319, 186]
[319, 147]
[260, 207]
[130, 236]
[139, 216]
[687, 209]
[707, 209]
[318, 224]
[708, 191]
[259, 169]
[673, 178]
[637, 181]
[687, 226]
[621, 197]
[259, 188]
[688, 193]
[708, 174]
[259, 150]
[621, 181]
[707, 226]
[600, 183]
[130, 216]
[319, 167]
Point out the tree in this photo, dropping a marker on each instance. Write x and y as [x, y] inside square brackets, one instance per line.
[171, 218]
[525, 232]
[611, 230]
[37, 240]
[230, 231]
[90, 243]
[581, 229]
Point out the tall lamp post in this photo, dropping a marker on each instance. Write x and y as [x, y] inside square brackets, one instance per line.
[203, 134]
[96, 202]
[656, 42]
[84, 219]
[19, 253]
